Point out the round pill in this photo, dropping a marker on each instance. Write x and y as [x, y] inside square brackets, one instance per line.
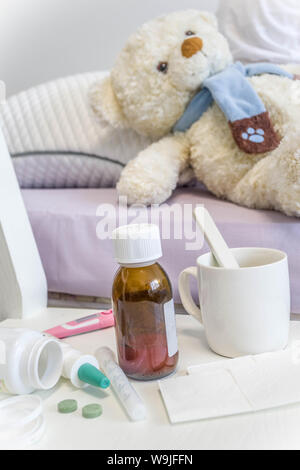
[92, 411]
[67, 406]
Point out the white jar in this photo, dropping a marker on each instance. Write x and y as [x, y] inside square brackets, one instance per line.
[29, 361]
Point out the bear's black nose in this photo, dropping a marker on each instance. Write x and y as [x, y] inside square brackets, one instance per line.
[191, 46]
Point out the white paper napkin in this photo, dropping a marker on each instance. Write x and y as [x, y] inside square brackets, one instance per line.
[201, 396]
[235, 386]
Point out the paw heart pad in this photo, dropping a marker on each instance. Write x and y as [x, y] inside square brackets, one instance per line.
[254, 135]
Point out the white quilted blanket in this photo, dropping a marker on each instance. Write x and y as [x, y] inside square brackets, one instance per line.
[56, 142]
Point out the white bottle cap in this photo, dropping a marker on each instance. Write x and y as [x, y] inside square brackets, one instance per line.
[135, 244]
[73, 360]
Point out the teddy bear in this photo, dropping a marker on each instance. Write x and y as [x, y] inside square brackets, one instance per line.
[176, 83]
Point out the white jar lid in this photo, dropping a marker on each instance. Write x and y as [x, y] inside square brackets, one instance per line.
[22, 422]
[137, 243]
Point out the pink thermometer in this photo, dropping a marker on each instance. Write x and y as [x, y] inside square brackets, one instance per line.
[97, 321]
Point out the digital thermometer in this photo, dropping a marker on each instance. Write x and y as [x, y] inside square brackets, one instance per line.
[97, 321]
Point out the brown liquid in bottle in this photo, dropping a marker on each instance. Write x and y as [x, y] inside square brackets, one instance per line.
[145, 330]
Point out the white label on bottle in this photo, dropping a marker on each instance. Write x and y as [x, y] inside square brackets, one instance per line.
[170, 322]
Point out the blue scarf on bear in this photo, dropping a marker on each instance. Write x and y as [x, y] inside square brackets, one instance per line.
[246, 113]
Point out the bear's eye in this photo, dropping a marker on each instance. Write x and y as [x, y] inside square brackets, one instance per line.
[190, 33]
[163, 67]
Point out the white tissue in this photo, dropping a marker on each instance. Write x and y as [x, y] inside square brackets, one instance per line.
[273, 381]
[201, 396]
[234, 386]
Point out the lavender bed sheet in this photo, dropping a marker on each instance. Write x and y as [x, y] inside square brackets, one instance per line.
[77, 262]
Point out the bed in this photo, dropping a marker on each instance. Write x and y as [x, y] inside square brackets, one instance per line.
[77, 262]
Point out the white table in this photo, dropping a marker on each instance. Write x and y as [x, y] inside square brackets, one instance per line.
[276, 429]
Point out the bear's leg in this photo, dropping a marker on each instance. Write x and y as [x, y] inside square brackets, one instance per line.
[274, 182]
[153, 175]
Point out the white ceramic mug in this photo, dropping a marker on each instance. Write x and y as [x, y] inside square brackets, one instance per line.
[244, 311]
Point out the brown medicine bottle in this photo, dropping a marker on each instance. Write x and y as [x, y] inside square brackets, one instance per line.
[143, 305]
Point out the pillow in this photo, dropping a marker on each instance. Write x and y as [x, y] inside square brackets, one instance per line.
[56, 142]
[262, 30]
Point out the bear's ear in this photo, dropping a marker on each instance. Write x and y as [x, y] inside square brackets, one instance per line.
[210, 18]
[105, 105]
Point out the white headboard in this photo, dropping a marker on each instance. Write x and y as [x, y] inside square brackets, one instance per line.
[45, 39]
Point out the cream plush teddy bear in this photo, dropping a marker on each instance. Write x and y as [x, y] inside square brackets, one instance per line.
[161, 70]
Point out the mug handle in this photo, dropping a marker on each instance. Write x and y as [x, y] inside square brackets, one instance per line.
[185, 293]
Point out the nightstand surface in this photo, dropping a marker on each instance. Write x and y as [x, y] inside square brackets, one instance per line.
[274, 429]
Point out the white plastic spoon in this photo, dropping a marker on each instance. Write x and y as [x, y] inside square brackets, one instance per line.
[216, 242]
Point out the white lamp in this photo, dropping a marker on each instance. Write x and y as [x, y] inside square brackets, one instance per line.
[23, 285]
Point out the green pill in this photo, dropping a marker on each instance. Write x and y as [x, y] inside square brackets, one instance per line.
[92, 411]
[67, 406]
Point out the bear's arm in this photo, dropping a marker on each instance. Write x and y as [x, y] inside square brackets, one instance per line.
[153, 175]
